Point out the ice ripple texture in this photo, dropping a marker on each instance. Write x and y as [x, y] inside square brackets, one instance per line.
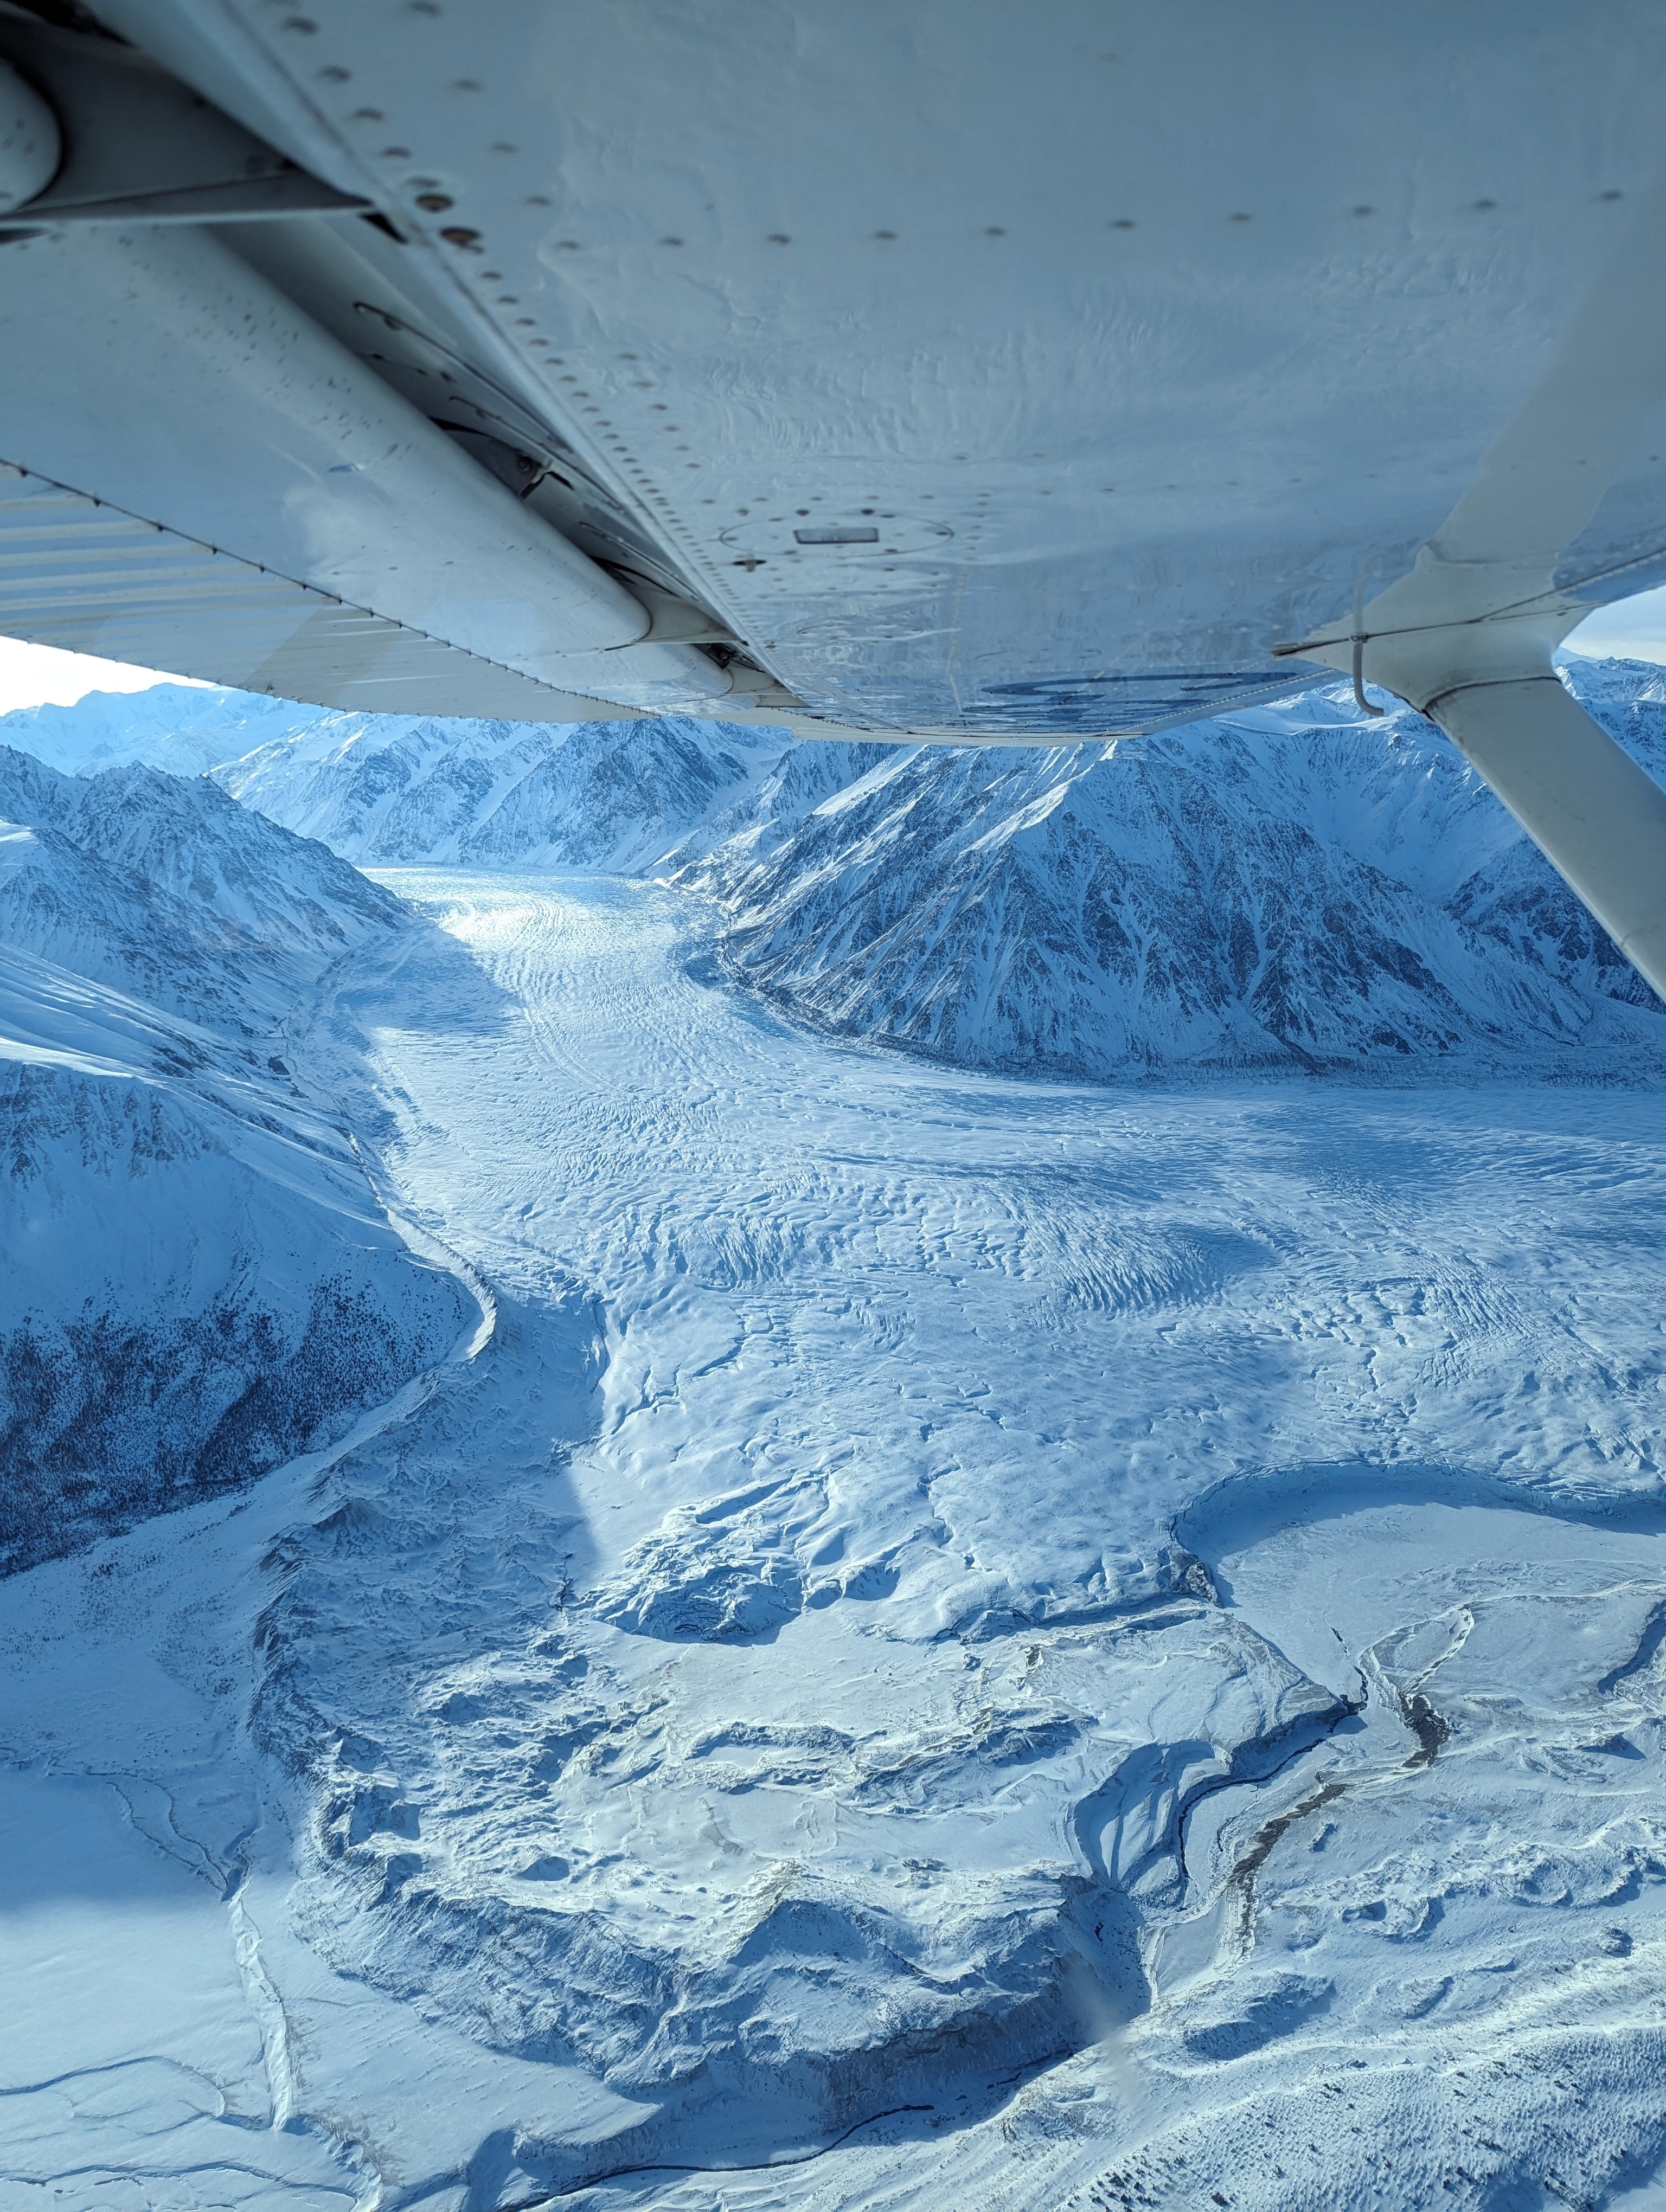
[962, 1640]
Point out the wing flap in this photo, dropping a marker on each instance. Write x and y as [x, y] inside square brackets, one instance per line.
[78, 573]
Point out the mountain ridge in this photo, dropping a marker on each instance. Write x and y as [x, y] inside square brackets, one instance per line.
[201, 1281]
[1290, 888]
[1214, 899]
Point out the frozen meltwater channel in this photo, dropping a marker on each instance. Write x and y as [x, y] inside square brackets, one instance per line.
[963, 1642]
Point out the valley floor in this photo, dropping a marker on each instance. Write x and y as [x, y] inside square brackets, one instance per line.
[947, 1641]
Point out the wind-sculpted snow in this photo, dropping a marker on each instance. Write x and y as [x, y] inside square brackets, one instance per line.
[199, 1282]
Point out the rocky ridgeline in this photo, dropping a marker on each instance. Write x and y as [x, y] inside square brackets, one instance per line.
[387, 790]
[1290, 888]
[1293, 888]
[199, 1281]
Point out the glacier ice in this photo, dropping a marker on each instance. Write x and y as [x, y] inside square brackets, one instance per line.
[1290, 887]
[939, 1637]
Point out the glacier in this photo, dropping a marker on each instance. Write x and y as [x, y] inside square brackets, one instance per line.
[986, 1572]
[1288, 887]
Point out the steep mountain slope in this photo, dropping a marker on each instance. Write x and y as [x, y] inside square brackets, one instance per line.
[163, 887]
[1291, 887]
[199, 1280]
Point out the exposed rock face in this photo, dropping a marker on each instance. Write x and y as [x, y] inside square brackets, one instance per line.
[199, 1281]
[160, 885]
[1290, 887]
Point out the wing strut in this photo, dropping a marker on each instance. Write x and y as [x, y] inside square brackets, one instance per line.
[1592, 811]
[1467, 635]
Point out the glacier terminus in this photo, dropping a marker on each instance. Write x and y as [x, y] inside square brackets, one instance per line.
[833, 1607]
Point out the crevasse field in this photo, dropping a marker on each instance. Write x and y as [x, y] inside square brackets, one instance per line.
[939, 1637]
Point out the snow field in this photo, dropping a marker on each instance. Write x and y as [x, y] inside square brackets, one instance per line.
[811, 1675]
[949, 1638]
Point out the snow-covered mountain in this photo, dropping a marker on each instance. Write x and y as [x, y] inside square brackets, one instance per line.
[1289, 887]
[186, 728]
[622, 797]
[199, 1280]
[953, 1646]
[162, 886]
[1294, 887]
[1132, 1636]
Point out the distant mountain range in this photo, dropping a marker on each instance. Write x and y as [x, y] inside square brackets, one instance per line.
[199, 1280]
[386, 790]
[162, 886]
[185, 728]
[1290, 888]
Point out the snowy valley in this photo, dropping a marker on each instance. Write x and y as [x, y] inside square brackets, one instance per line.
[1008, 1553]
[1292, 887]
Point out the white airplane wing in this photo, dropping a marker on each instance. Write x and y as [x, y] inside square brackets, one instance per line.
[939, 370]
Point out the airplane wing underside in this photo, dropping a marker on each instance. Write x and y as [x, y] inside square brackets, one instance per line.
[943, 370]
